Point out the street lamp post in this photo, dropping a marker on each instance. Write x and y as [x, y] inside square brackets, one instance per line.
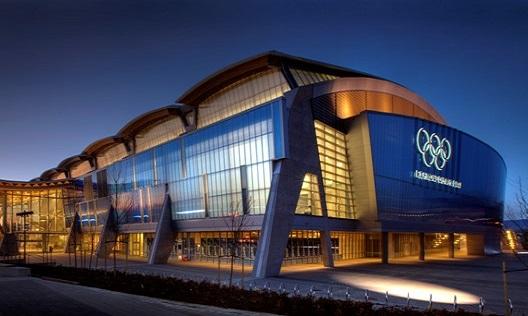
[24, 214]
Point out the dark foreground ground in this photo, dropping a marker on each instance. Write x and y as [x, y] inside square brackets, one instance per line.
[469, 279]
[34, 296]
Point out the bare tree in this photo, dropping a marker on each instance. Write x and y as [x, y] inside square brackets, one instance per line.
[70, 200]
[122, 203]
[236, 222]
[518, 215]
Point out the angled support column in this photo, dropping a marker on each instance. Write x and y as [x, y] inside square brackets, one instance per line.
[75, 235]
[301, 157]
[278, 220]
[108, 236]
[164, 238]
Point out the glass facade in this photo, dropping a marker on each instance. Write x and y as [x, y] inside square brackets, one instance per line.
[334, 167]
[46, 227]
[211, 246]
[111, 154]
[401, 194]
[304, 246]
[305, 77]
[347, 245]
[216, 158]
[159, 133]
[205, 171]
[309, 198]
[436, 245]
[405, 244]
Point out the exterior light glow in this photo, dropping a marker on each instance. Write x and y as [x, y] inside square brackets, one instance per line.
[402, 287]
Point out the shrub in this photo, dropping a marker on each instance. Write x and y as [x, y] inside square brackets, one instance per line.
[219, 295]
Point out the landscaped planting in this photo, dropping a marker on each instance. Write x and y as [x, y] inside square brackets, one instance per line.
[218, 295]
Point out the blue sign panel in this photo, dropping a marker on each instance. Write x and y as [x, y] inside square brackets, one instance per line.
[429, 171]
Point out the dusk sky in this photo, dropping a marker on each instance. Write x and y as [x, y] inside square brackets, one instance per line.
[72, 72]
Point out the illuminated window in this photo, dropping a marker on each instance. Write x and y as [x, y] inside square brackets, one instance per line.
[309, 202]
[242, 95]
[159, 133]
[336, 174]
[80, 169]
[46, 227]
[304, 77]
[58, 176]
[111, 155]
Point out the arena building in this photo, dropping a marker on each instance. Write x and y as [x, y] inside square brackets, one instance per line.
[281, 159]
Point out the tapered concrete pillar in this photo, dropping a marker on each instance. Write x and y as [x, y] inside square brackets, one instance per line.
[108, 235]
[421, 237]
[74, 236]
[301, 157]
[278, 219]
[384, 247]
[451, 245]
[326, 249]
[164, 238]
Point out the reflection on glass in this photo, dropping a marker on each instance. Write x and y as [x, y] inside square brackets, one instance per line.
[309, 202]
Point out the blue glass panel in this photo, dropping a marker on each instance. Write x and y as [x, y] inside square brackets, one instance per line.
[418, 176]
[214, 154]
[144, 169]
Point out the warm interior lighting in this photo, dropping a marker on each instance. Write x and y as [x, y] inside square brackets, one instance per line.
[345, 108]
[510, 237]
[400, 287]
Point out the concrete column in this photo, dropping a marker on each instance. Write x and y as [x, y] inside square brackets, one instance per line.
[278, 218]
[326, 249]
[421, 237]
[108, 235]
[451, 245]
[74, 236]
[164, 238]
[384, 247]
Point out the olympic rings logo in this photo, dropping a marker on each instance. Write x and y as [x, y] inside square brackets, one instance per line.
[435, 151]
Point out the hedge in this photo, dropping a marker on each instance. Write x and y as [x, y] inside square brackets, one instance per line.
[219, 295]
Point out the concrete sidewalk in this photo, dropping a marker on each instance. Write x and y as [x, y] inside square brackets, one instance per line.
[469, 278]
[34, 296]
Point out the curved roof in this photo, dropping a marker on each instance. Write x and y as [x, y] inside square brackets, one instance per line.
[203, 89]
[384, 86]
[46, 175]
[70, 161]
[101, 144]
[144, 120]
[126, 132]
[260, 63]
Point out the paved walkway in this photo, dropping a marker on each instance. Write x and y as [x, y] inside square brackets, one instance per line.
[32, 296]
[468, 278]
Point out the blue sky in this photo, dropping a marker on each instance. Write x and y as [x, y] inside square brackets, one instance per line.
[75, 71]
